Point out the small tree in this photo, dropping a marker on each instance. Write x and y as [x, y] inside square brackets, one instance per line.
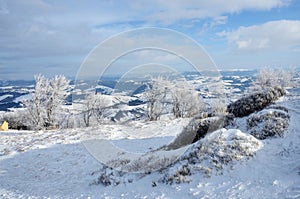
[101, 105]
[186, 101]
[174, 97]
[156, 97]
[271, 78]
[87, 109]
[94, 105]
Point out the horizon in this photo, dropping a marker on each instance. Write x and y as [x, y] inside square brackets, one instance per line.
[116, 76]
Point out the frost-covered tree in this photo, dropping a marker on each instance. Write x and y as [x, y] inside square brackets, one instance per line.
[47, 99]
[56, 92]
[36, 105]
[87, 111]
[186, 101]
[177, 97]
[101, 105]
[266, 78]
[156, 97]
[94, 106]
[286, 77]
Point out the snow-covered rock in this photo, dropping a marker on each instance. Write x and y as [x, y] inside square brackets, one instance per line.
[201, 125]
[196, 129]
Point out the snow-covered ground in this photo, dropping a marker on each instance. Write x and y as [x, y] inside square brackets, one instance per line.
[55, 164]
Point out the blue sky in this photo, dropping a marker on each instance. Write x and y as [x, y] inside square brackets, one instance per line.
[54, 37]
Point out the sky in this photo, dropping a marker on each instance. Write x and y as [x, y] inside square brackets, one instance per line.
[55, 36]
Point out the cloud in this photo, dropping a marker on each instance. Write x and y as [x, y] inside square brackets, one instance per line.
[164, 12]
[221, 20]
[62, 24]
[273, 35]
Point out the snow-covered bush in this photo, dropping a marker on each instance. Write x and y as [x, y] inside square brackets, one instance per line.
[223, 146]
[47, 100]
[268, 123]
[148, 163]
[270, 78]
[211, 154]
[108, 176]
[144, 164]
[179, 175]
[255, 102]
[126, 171]
[16, 119]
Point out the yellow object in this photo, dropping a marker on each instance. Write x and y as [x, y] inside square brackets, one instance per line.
[4, 126]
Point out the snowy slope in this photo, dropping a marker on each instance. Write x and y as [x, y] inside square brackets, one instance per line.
[55, 164]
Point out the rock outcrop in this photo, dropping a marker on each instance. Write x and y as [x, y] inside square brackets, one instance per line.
[197, 128]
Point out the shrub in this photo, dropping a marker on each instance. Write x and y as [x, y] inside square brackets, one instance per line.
[268, 123]
[255, 102]
[17, 120]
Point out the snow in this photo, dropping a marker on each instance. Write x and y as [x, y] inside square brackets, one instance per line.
[23, 98]
[55, 164]
[244, 80]
[3, 97]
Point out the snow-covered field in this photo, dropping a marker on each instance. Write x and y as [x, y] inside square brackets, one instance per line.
[55, 164]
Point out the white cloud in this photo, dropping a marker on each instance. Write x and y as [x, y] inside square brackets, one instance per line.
[221, 20]
[282, 34]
